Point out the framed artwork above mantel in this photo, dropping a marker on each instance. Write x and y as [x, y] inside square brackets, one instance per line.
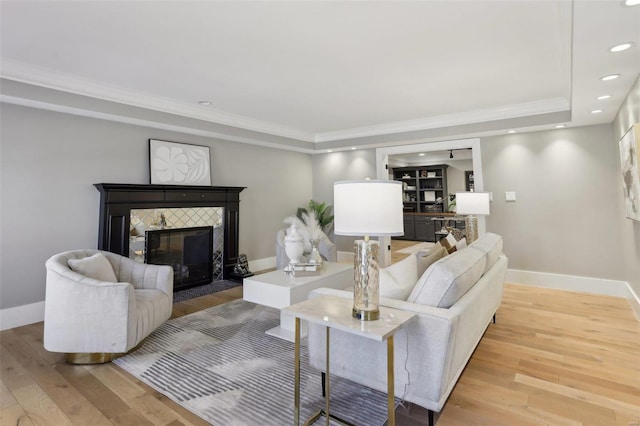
[173, 163]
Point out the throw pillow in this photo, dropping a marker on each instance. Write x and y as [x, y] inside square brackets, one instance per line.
[446, 243]
[397, 281]
[97, 267]
[451, 239]
[461, 244]
[427, 259]
[447, 280]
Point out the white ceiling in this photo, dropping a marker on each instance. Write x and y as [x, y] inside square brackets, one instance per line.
[333, 74]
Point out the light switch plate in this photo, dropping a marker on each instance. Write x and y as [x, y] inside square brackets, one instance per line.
[510, 196]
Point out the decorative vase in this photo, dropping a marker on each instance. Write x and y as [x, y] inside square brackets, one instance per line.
[294, 244]
[315, 257]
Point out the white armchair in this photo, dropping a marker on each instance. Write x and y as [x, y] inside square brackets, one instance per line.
[326, 247]
[93, 320]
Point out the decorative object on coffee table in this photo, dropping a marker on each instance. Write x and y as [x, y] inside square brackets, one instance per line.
[472, 204]
[369, 208]
[294, 244]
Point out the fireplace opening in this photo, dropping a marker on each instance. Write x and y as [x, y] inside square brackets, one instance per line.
[189, 239]
[187, 250]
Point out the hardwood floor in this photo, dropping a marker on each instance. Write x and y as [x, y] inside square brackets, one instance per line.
[552, 358]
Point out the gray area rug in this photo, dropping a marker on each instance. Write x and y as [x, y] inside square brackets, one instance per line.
[202, 290]
[219, 364]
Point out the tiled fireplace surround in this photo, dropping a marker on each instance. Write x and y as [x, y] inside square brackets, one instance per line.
[184, 217]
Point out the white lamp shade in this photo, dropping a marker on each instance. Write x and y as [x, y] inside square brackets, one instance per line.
[474, 203]
[369, 207]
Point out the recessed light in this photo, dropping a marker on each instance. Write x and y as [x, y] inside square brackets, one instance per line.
[609, 77]
[597, 111]
[329, 150]
[353, 148]
[560, 126]
[631, 2]
[511, 132]
[421, 154]
[621, 47]
[603, 97]
[204, 103]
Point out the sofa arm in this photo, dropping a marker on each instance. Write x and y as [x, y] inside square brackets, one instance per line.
[84, 315]
[142, 275]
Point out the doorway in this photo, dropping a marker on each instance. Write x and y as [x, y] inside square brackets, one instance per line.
[404, 152]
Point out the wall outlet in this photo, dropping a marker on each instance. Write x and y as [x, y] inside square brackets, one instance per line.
[510, 196]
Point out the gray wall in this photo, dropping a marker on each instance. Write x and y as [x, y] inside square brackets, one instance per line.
[568, 215]
[568, 218]
[628, 115]
[49, 162]
[333, 167]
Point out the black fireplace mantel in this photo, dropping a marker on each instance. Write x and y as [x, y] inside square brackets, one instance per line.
[118, 199]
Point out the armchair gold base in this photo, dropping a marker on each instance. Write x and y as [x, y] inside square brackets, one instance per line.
[96, 357]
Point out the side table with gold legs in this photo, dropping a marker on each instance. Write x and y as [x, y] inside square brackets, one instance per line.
[335, 312]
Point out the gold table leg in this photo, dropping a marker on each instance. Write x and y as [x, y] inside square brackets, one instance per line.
[296, 396]
[328, 397]
[390, 384]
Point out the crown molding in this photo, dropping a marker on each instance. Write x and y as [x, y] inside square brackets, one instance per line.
[148, 123]
[449, 120]
[47, 78]
[38, 76]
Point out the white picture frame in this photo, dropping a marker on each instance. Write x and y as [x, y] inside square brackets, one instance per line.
[174, 163]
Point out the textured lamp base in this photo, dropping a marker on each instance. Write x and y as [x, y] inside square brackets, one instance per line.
[365, 289]
[471, 225]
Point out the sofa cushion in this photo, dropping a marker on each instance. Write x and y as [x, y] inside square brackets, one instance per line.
[447, 280]
[426, 259]
[490, 245]
[461, 244]
[96, 266]
[397, 280]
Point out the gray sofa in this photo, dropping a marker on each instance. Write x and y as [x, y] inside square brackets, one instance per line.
[455, 300]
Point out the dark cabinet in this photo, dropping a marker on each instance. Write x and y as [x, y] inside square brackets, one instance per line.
[409, 229]
[424, 228]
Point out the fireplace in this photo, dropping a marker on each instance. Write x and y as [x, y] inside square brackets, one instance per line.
[123, 206]
[188, 250]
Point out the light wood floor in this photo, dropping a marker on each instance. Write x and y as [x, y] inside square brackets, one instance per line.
[552, 358]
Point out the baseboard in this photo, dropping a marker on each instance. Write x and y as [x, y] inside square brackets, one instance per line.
[590, 285]
[21, 315]
[262, 264]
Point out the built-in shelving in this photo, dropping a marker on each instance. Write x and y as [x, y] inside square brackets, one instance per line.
[424, 188]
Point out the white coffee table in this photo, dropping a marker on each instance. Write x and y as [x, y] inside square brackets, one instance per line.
[279, 290]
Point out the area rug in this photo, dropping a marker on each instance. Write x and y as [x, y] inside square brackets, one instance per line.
[219, 364]
[203, 290]
[416, 248]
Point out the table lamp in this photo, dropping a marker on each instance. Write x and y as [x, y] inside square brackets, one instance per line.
[472, 204]
[367, 208]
